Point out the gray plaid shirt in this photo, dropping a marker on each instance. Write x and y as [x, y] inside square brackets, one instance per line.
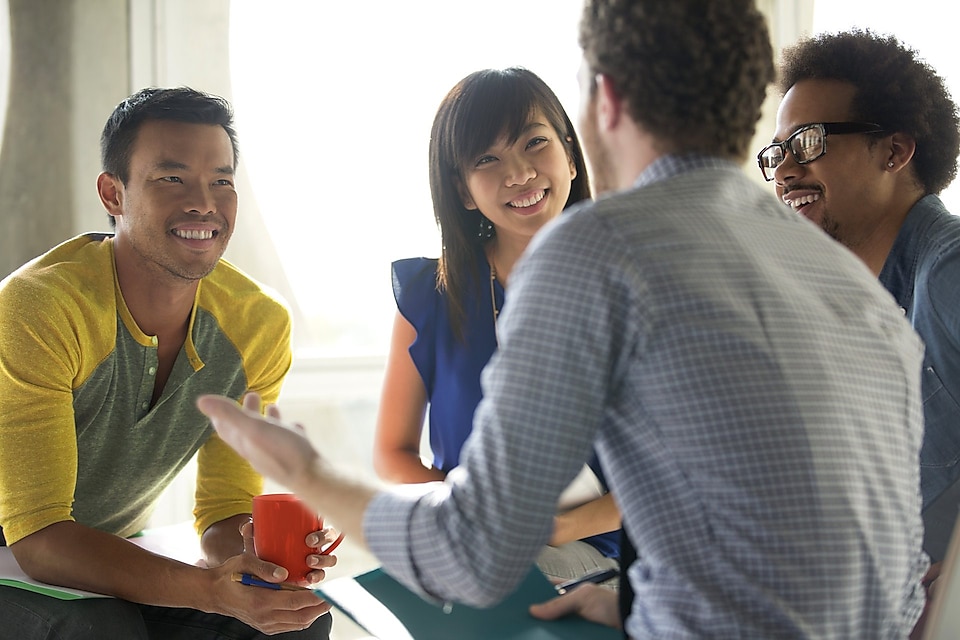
[752, 391]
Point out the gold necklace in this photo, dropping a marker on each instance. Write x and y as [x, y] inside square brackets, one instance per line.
[493, 302]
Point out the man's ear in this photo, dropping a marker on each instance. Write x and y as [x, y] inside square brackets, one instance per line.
[609, 103]
[110, 190]
[573, 165]
[900, 151]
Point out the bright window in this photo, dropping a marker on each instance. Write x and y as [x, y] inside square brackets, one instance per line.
[334, 104]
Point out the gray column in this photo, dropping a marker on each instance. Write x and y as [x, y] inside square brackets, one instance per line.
[61, 72]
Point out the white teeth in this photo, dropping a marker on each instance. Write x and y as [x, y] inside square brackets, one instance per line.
[193, 234]
[528, 202]
[802, 200]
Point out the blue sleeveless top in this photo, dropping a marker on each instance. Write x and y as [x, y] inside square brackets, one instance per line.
[450, 368]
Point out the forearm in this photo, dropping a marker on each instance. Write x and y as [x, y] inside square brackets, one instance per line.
[222, 540]
[341, 498]
[590, 519]
[72, 555]
[400, 466]
[75, 556]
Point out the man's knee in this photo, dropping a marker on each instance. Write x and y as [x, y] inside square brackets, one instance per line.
[27, 615]
[166, 622]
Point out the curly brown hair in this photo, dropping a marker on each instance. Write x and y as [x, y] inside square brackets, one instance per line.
[895, 88]
[694, 72]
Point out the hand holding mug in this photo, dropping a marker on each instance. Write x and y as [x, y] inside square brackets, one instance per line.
[282, 525]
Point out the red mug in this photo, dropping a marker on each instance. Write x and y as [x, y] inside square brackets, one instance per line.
[281, 523]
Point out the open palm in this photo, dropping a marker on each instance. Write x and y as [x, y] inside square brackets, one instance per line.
[275, 450]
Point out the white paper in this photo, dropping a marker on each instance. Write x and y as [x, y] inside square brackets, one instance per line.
[360, 604]
[584, 488]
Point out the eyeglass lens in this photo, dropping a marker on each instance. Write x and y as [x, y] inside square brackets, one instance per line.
[805, 144]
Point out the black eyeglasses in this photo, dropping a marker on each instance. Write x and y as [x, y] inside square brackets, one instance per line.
[807, 143]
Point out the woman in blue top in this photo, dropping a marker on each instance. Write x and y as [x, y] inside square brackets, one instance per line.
[504, 161]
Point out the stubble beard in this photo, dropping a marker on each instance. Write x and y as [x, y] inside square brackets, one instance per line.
[831, 227]
[181, 271]
[598, 158]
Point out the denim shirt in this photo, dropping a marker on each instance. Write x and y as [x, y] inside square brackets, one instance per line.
[923, 274]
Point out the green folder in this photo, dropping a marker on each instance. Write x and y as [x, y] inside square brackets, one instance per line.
[386, 609]
[51, 591]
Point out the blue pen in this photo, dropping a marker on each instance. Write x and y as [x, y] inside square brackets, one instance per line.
[246, 578]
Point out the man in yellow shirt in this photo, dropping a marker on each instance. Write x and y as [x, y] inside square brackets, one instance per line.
[105, 342]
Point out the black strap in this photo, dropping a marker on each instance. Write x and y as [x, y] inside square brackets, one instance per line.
[627, 557]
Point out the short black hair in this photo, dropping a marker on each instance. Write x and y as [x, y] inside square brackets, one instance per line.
[181, 104]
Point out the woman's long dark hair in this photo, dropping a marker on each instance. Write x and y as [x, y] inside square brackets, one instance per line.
[481, 109]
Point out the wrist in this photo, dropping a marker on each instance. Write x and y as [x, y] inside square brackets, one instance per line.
[183, 585]
[308, 478]
[204, 591]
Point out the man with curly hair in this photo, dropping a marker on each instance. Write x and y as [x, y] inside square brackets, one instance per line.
[751, 390]
[874, 189]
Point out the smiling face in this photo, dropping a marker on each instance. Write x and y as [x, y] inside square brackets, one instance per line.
[520, 186]
[177, 211]
[841, 191]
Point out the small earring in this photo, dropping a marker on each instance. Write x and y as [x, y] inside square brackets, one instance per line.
[890, 164]
[486, 228]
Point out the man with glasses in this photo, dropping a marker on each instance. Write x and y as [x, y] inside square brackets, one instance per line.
[867, 136]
